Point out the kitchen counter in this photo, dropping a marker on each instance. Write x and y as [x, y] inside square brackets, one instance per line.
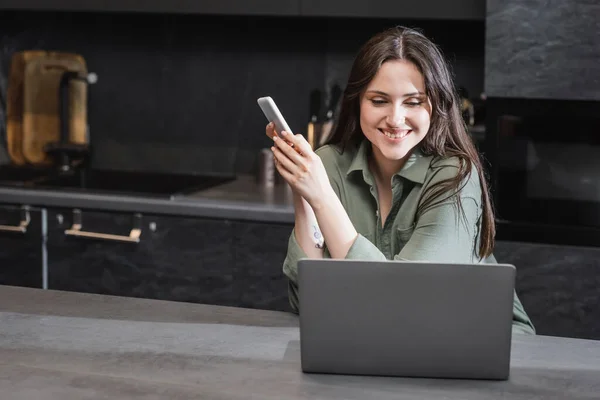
[242, 199]
[62, 345]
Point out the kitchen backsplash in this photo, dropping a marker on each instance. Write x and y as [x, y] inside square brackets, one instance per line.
[177, 93]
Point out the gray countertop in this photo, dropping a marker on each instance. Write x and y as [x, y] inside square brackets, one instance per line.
[60, 345]
[242, 199]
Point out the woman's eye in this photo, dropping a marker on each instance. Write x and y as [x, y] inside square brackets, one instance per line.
[414, 103]
[378, 102]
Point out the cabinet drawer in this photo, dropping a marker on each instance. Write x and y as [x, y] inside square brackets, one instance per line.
[21, 246]
[174, 258]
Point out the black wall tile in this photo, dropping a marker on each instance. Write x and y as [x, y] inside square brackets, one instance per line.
[537, 49]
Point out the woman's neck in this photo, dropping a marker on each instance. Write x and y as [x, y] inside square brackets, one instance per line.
[383, 169]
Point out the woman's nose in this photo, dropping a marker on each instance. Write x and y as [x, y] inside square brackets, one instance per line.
[397, 116]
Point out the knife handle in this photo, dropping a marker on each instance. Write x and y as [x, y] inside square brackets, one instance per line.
[326, 128]
[310, 134]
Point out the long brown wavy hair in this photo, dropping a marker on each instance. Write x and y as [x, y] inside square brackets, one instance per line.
[447, 135]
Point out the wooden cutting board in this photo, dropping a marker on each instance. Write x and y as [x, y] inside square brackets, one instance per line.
[41, 113]
[32, 104]
[14, 106]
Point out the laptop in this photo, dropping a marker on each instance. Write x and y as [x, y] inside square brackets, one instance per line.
[409, 319]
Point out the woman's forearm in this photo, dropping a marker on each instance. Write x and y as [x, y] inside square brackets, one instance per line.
[308, 234]
[336, 227]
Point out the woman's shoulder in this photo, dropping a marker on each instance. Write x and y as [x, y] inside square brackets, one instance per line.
[445, 168]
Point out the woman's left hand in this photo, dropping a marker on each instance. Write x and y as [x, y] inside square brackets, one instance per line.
[301, 167]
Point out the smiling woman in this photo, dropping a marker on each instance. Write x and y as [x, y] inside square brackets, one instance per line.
[400, 178]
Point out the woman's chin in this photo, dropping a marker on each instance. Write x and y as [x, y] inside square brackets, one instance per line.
[398, 151]
[395, 154]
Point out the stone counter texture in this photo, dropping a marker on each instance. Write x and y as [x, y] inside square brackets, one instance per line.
[58, 345]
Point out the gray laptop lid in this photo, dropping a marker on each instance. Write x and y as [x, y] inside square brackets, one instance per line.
[406, 318]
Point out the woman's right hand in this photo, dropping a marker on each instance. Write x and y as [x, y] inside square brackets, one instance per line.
[270, 131]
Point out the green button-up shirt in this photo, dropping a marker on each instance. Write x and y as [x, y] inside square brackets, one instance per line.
[439, 233]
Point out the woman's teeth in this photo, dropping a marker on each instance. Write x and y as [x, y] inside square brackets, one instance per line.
[398, 135]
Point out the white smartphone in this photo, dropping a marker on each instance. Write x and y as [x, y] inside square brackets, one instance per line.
[269, 108]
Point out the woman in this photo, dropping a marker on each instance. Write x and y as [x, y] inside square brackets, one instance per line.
[400, 178]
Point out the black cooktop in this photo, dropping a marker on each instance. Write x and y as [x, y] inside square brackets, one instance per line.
[114, 182]
[17, 175]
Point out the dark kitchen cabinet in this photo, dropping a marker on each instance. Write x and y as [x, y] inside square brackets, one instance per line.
[21, 246]
[426, 9]
[390, 9]
[558, 286]
[231, 7]
[176, 258]
[260, 250]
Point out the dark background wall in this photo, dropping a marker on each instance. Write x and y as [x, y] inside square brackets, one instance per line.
[540, 49]
[178, 93]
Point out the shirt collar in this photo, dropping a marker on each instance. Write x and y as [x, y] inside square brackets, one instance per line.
[415, 168]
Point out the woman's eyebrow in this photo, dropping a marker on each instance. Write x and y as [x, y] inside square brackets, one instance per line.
[413, 94]
[404, 95]
[378, 92]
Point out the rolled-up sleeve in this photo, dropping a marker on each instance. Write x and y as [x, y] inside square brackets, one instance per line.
[361, 249]
[364, 249]
[294, 254]
[290, 269]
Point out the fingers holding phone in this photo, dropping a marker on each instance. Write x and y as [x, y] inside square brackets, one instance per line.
[277, 123]
[295, 147]
[294, 157]
[270, 130]
[301, 167]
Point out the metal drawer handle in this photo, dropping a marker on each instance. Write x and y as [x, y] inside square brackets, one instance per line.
[22, 227]
[134, 235]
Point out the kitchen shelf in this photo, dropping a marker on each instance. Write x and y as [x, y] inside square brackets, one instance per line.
[229, 7]
[389, 9]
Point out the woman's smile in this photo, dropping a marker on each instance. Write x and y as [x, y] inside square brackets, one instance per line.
[395, 135]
